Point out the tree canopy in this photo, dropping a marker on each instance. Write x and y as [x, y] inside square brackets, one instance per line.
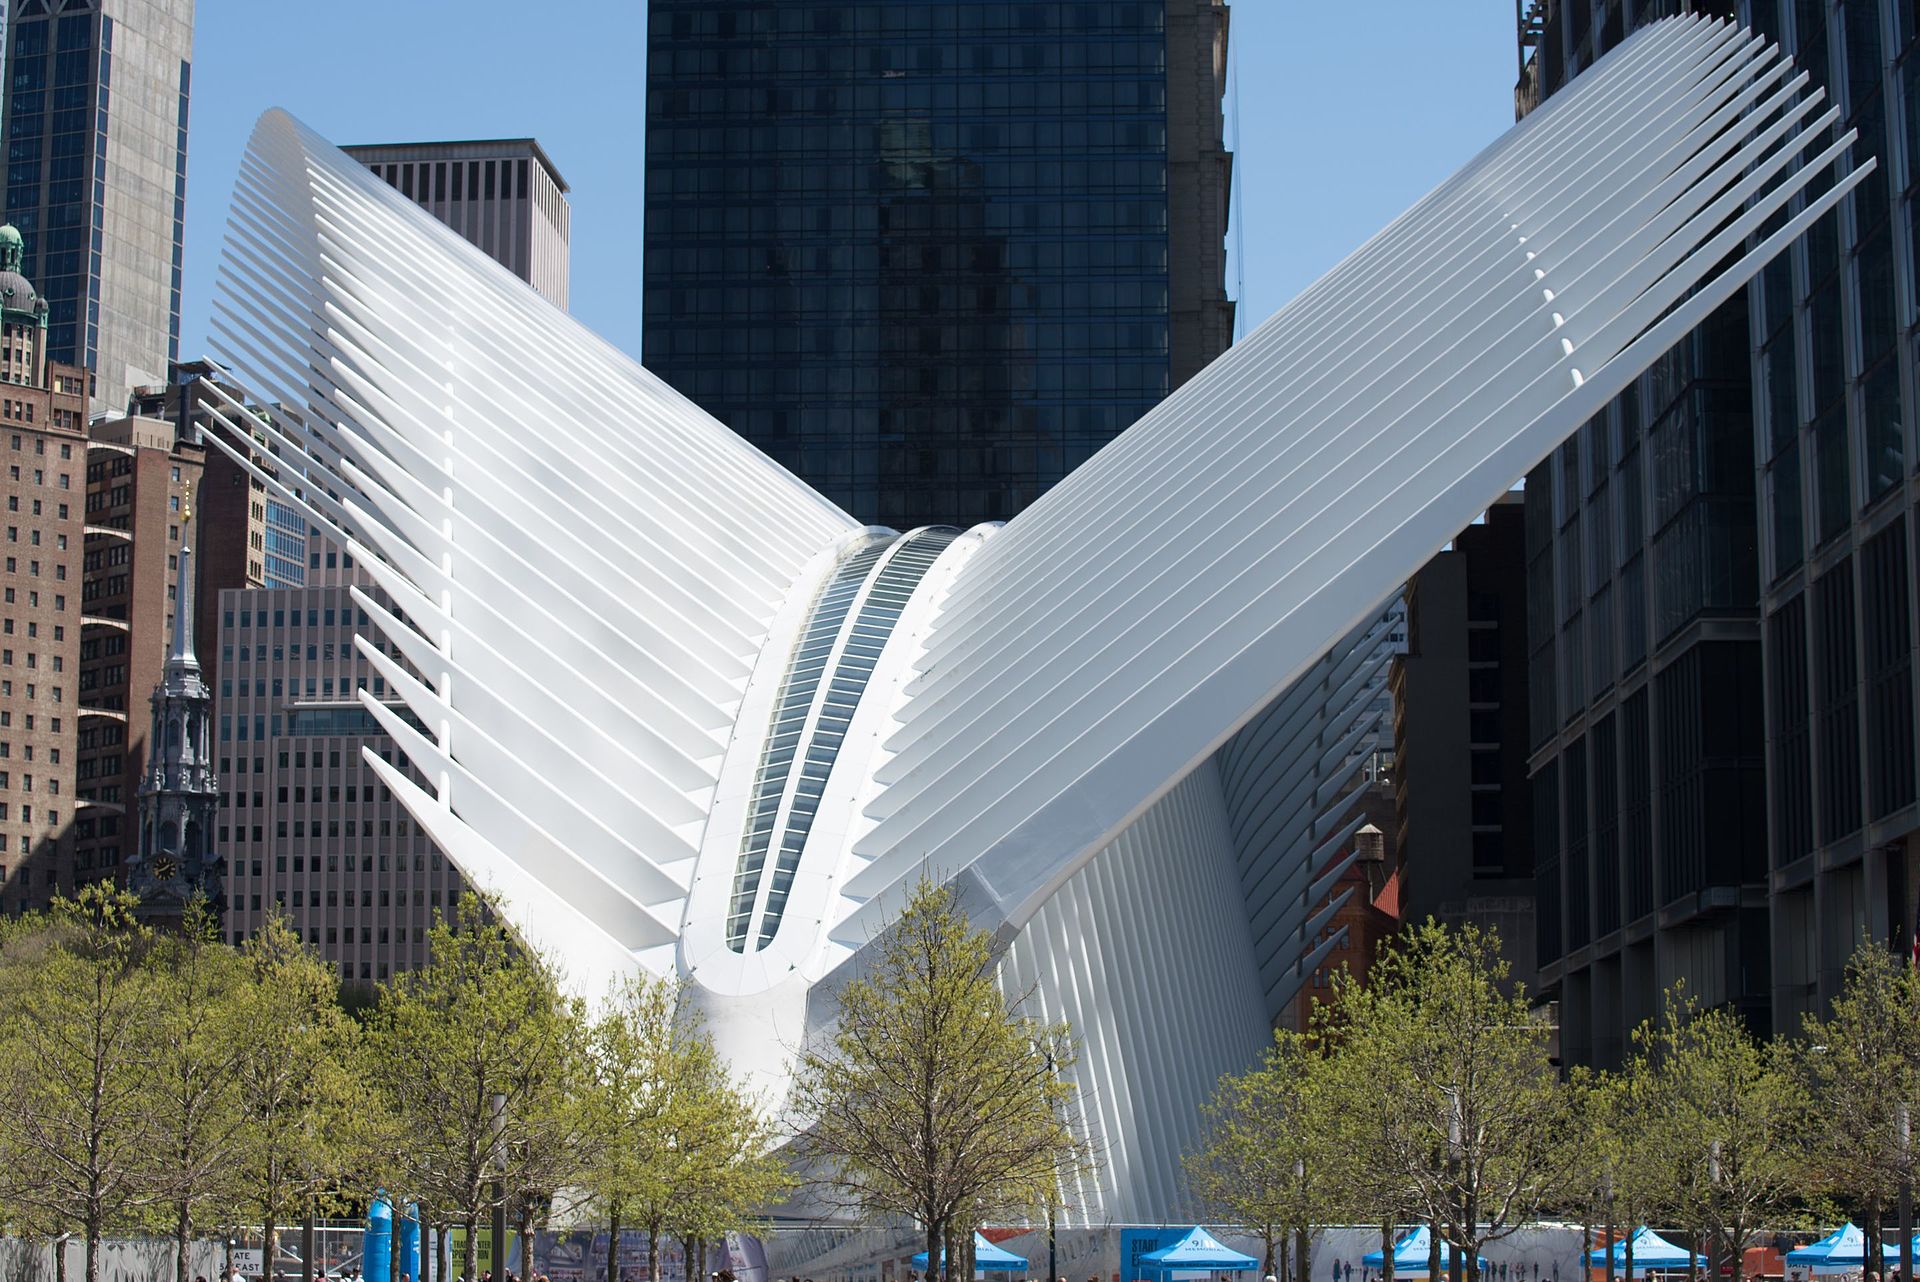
[936, 1098]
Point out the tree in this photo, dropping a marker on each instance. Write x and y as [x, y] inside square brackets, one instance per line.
[1479, 1112]
[1267, 1163]
[638, 1051]
[1860, 1070]
[302, 1103]
[717, 1167]
[80, 1016]
[1364, 1088]
[934, 1096]
[476, 1056]
[1617, 1120]
[196, 1068]
[1725, 1111]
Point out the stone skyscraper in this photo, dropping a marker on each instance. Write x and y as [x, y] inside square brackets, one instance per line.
[308, 830]
[43, 415]
[96, 132]
[504, 196]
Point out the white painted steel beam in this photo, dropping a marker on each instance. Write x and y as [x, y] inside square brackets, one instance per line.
[595, 594]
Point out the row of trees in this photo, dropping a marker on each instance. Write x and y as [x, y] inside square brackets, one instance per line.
[1429, 1095]
[163, 1080]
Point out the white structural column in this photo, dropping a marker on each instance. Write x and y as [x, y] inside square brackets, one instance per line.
[1289, 777]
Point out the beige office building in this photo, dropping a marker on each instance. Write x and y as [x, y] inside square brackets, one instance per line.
[306, 827]
[504, 196]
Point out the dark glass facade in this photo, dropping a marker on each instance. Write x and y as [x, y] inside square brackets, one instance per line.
[924, 252]
[97, 100]
[59, 71]
[1727, 592]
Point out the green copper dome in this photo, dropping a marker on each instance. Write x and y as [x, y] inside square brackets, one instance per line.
[17, 293]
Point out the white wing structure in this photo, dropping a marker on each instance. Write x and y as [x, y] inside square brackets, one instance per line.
[684, 715]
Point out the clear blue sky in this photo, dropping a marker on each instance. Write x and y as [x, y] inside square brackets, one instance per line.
[1348, 112]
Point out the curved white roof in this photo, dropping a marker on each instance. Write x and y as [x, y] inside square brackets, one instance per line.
[603, 596]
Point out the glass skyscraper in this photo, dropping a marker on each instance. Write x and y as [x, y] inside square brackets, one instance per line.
[95, 127]
[932, 254]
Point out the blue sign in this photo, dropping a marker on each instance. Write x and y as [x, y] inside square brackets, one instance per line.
[1135, 1243]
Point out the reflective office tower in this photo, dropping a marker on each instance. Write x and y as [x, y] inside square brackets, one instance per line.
[503, 195]
[96, 133]
[1721, 685]
[931, 255]
[307, 828]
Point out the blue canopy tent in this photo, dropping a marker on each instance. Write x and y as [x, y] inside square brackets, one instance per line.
[1198, 1252]
[1410, 1255]
[1651, 1253]
[986, 1256]
[1841, 1251]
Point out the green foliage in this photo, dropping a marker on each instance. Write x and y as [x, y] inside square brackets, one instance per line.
[935, 1099]
[1431, 1094]
[1480, 1112]
[1724, 1123]
[168, 1081]
[1859, 1074]
[1272, 1161]
[79, 1011]
[302, 1102]
[475, 1056]
[675, 1144]
[204, 1010]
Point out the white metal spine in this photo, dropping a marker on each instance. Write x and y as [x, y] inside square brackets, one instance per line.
[585, 563]
[583, 570]
[1117, 632]
[1289, 776]
[1146, 953]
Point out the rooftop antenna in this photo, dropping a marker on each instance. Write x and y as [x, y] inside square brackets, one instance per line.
[1234, 185]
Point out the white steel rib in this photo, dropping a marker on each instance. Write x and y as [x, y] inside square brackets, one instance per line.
[685, 715]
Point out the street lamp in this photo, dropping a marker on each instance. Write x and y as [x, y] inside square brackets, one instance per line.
[499, 1217]
[1456, 1137]
[1903, 1128]
[1713, 1182]
[1053, 1184]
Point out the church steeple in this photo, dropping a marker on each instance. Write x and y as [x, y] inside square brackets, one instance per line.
[180, 653]
[179, 796]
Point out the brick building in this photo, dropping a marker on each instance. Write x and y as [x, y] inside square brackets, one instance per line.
[1369, 913]
[43, 427]
[140, 480]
